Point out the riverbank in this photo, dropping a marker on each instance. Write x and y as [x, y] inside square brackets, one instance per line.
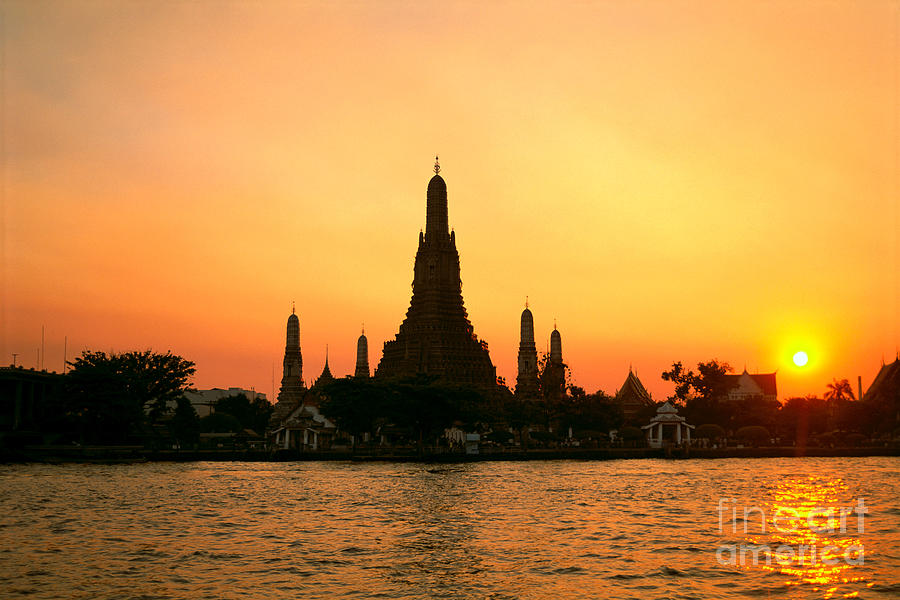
[131, 454]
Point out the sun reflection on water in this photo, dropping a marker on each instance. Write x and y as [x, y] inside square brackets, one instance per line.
[813, 526]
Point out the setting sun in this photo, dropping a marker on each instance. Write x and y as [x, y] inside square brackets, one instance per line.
[801, 358]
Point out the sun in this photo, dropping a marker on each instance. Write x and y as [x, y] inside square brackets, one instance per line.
[801, 358]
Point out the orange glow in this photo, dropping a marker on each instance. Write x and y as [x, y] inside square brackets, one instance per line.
[801, 506]
[173, 178]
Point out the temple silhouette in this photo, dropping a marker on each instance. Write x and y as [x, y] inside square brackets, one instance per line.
[436, 337]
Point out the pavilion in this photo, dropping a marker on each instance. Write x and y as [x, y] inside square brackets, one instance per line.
[667, 426]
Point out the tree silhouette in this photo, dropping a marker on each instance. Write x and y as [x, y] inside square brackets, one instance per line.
[109, 396]
[839, 389]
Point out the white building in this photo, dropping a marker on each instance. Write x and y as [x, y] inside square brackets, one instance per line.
[667, 427]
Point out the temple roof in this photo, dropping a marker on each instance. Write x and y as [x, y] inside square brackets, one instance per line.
[886, 383]
[765, 381]
[633, 390]
[666, 414]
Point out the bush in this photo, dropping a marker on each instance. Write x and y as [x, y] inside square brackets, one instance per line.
[754, 434]
[499, 437]
[855, 440]
[631, 434]
[220, 422]
[543, 436]
[710, 431]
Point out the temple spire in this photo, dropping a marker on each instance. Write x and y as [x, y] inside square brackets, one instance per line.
[437, 227]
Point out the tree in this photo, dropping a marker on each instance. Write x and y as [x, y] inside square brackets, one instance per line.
[754, 434]
[355, 404]
[839, 390]
[252, 414]
[683, 380]
[220, 422]
[712, 382]
[709, 383]
[185, 424]
[709, 431]
[553, 378]
[111, 396]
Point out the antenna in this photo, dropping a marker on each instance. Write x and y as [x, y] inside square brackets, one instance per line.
[15, 354]
[42, 347]
[65, 353]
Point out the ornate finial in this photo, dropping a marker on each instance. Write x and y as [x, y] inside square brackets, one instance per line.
[526, 301]
[437, 165]
[364, 329]
[293, 311]
[554, 323]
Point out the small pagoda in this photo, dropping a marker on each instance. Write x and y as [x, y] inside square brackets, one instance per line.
[667, 427]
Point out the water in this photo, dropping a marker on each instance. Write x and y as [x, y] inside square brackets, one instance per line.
[559, 529]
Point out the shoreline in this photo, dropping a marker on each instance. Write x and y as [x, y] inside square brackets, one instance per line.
[135, 454]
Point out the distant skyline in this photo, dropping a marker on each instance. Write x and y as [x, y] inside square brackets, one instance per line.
[669, 181]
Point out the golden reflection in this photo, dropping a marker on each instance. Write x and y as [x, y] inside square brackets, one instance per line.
[812, 530]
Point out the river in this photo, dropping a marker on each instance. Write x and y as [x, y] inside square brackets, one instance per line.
[537, 529]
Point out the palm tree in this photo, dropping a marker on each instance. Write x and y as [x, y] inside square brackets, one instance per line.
[839, 390]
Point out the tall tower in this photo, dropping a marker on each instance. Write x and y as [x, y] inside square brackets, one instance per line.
[436, 336]
[527, 385]
[553, 382]
[362, 356]
[292, 372]
[555, 346]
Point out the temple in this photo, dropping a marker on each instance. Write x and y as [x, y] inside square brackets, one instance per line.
[436, 337]
[527, 384]
[362, 356]
[292, 387]
[634, 398]
[553, 380]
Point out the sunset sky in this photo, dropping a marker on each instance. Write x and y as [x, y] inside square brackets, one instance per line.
[668, 180]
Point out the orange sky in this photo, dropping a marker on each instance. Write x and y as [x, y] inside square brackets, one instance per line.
[669, 180]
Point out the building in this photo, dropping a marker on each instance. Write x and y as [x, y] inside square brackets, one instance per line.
[527, 384]
[667, 427]
[292, 390]
[303, 428]
[746, 386]
[436, 337]
[292, 387]
[326, 377]
[28, 398]
[882, 399]
[296, 422]
[553, 380]
[633, 397]
[362, 356]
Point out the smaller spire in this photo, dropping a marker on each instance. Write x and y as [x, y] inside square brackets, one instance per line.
[437, 165]
[526, 301]
[364, 329]
[554, 323]
[293, 310]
